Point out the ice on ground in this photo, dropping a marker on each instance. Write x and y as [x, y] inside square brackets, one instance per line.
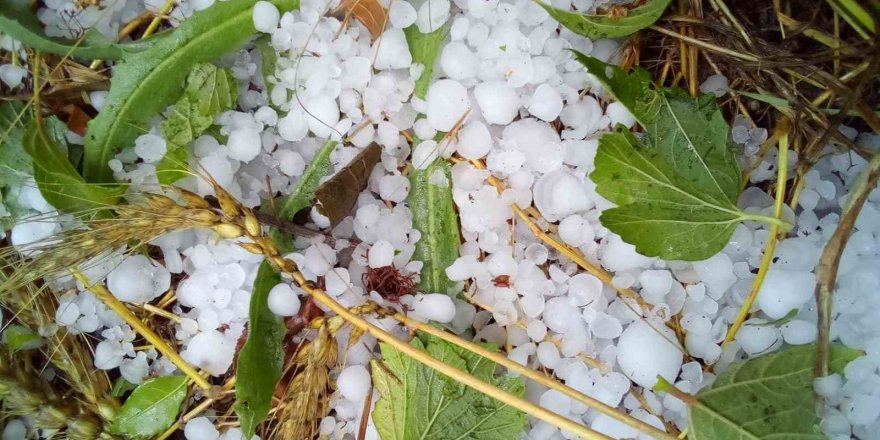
[138, 280]
[644, 351]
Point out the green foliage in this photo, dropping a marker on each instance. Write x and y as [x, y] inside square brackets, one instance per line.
[261, 360]
[767, 397]
[676, 195]
[419, 403]
[302, 196]
[424, 49]
[151, 408]
[15, 163]
[57, 179]
[146, 82]
[19, 337]
[18, 20]
[603, 26]
[268, 58]
[435, 217]
[209, 91]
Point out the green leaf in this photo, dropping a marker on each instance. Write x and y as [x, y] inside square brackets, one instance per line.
[302, 196]
[57, 179]
[268, 58]
[767, 397]
[634, 90]
[121, 386]
[151, 408]
[261, 360]
[419, 403]
[677, 195]
[146, 82]
[15, 163]
[209, 91]
[603, 26]
[434, 216]
[18, 20]
[424, 49]
[19, 337]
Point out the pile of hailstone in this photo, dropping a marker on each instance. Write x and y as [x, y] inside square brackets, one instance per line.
[505, 65]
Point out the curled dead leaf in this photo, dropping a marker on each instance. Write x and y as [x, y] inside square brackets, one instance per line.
[335, 197]
[368, 12]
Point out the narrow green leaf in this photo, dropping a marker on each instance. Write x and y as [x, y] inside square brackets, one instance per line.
[268, 58]
[18, 20]
[424, 49]
[151, 408]
[261, 360]
[603, 26]
[148, 81]
[767, 397]
[121, 386]
[419, 403]
[15, 163]
[434, 215]
[19, 337]
[302, 196]
[57, 179]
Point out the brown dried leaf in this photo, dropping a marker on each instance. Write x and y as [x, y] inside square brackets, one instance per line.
[368, 12]
[337, 196]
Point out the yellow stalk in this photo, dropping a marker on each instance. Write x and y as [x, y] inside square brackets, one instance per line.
[161, 312]
[142, 329]
[166, 8]
[772, 238]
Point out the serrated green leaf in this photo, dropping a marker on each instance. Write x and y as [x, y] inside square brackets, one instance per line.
[677, 195]
[767, 397]
[151, 408]
[58, 181]
[302, 196]
[146, 82]
[424, 49]
[419, 403]
[261, 360]
[18, 20]
[19, 337]
[435, 217]
[603, 26]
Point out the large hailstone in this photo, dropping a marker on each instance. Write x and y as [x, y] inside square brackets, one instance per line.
[645, 351]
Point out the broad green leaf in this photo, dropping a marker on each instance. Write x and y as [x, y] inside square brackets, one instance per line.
[209, 91]
[676, 195]
[57, 179]
[15, 163]
[19, 337]
[767, 397]
[434, 215]
[302, 196]
[121, 386]
[424, 49]
[261, 360]
[335, 197]
[604, 26]
[18, 20]
[146, 82]
[419, 403]
[151, 408]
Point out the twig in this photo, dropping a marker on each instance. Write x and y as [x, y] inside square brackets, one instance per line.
[829, 263]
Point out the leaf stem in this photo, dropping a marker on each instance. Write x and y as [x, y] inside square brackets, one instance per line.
[144, 330]
[664, 386]
[775, 220]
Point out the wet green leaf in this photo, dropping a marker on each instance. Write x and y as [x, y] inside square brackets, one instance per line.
[603, 26]
[15, 163]
[424, 49]
[151, 408]
[19, 337]
[766, 397]
[434, 215]
[335, 197]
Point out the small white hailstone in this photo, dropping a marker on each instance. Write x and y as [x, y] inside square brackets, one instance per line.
[108, 354]
[613, 428]
[211, 351]
[356, 72]
[575, 230]
[322, 115]
[458, 62]
[447, 102]
[319, 258]
[501, 263]
[584, 289]
[266, 17]
[536, 253]
[338, 281]
[605, 326]
[644, 351]
[560, 194]
[293, 126]
[290, 163]
[29, 195]
[150, 148]
[474, 141]
[31, 231]
[244, 144]
[12, 75]
[283, 300]
[432, 15]
[618, 255]
[862, 409]
[393, 188]
[559, 315]
[655, 284]
[368, 215]
[434, 307]
[134, 370]
[584, 114]
[505, 161]
[548, 354]
[536, 330]
[98, 98]
[546, 103]
[402, 14]
[464, 267]
[538, 141]
[388, 134]
[328, 425]
[390, 51]
[424, 154]
[716, 273]
[200, 428]
[556, 401]
[381, 254]
[15, 429]
[138, 279]
[716, 85]
[798, 332]
[438, 178]
[619, 114]
[757, 339]
[423, 129]
[354, 383]
[784, 291]
[498, 102]
[67, 313]
[828, 386]
[459, 29]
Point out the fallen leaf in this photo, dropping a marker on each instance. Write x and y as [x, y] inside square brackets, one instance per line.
[337, 196]
[369, 12]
